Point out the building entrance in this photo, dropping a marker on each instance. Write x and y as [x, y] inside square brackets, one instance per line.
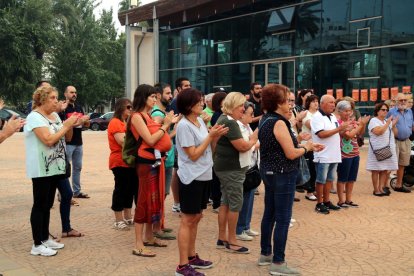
[282, 72]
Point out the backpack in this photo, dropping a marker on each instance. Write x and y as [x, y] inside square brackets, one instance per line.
[131, 145]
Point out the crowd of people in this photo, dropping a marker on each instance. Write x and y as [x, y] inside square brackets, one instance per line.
[205, 148]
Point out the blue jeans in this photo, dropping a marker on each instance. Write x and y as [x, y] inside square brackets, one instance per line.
[65, 197]
[278, 202]
[245, 215]
[75, 154]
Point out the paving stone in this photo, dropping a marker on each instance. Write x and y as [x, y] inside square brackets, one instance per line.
[375, 239]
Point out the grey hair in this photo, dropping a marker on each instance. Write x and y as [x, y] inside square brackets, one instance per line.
[342, 105]
[209, 97]
[248, 104]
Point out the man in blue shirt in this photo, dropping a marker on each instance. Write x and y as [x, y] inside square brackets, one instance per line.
[404, 126]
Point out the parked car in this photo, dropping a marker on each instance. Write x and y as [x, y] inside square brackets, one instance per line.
[6, 113]
[102, 122]
[94, 115]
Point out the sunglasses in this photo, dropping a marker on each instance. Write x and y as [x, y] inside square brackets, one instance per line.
[402, 101]
[129, 107]
[384, 109]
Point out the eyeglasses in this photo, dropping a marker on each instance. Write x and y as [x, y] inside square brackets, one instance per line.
[129, 107]
[290, 101]
[384, 109]
[402, 101]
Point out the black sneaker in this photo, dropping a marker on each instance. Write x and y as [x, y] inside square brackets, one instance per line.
[330, 206]
[321, 208]
[402, 189]
[386, 190]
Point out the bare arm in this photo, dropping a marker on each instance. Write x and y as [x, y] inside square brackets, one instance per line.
[282, 135]
[119, 138]
[13, 125]
[143, 131]
[242, 146]
[50, 139]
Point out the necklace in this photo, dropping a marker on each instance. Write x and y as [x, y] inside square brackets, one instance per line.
[196, 122]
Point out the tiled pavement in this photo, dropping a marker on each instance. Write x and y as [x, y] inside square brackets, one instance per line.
[376, 239]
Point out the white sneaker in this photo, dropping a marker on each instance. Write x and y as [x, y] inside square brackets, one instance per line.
[176, 208]
[290, 225]
[53, 244]
[251, 232]
[42, 250]
[244, 237]
[292, 220]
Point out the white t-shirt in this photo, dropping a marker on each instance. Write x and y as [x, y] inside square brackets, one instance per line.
[332, 151]
[308, 116]
[190, 135]
[42, 160]
[245, 158]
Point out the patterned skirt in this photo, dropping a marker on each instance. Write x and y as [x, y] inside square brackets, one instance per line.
[151, 193]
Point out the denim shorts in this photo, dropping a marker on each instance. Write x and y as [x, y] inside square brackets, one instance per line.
[348, 169]
[325, 172]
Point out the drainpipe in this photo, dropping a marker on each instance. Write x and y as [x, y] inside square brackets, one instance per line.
[156, 36]
[139, 45]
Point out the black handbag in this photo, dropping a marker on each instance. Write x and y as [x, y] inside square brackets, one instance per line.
[252, 180]
[68, 167]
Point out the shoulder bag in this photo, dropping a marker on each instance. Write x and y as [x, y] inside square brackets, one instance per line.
[382, 153]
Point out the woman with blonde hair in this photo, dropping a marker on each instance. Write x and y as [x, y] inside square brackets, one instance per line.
[45, 163]
[230, 165]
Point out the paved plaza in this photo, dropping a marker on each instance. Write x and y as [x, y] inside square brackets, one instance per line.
[376, 239]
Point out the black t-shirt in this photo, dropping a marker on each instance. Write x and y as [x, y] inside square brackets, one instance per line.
[77, 131]
[257, 111]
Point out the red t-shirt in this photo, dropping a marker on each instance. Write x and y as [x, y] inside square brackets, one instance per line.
[115, 158]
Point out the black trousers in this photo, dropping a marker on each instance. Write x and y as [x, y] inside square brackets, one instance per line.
[126, 188]
[215, 191]
[44, 189]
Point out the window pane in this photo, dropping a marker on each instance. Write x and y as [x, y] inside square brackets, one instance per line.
[365, 8]
[398, 21]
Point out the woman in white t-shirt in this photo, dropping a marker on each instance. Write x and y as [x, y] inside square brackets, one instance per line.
[45, 163]
[195, 172]
[243, 230]
[311, 105]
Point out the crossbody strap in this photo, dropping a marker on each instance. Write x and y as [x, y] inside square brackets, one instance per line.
[389, 139]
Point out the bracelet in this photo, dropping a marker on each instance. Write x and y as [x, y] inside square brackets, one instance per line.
[162, 129]
[306, 151]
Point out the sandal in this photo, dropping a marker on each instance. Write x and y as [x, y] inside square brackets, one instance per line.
[72, 233]
[155, 243]
[81, 195]
[74, 202]
[129, 222]
[241, 250]
[164, 235]
[120, 225]
[143, 252]
[167, 230]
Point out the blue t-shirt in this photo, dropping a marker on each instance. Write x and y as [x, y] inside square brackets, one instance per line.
[405, 122]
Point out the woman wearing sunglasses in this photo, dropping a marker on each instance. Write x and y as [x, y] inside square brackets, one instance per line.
[125, 177]
[380, 136]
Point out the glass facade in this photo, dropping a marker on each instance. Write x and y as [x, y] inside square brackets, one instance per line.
[327, 44]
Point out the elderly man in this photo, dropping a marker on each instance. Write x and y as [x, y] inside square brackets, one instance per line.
[325, 130]
[405, 127]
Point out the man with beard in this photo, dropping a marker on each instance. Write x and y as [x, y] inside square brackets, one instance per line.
[164, 98]
[74, 148]
[255, 99]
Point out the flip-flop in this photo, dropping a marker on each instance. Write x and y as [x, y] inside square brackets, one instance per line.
[69, 234]
[143, 252]
[154, 243]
